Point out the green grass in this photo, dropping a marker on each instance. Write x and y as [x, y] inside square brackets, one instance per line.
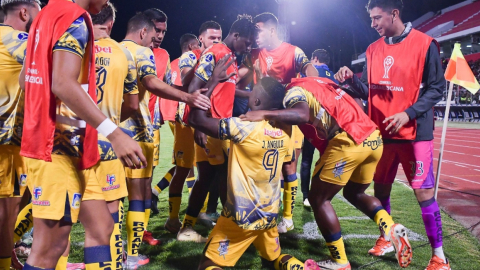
[460, 246]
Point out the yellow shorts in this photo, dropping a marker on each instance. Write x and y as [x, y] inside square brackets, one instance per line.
[227, 242]
[214, 152]
[297, 137]
[105, 181]
[171, 124]
[13, 172]
[156, 147]
[183, 146]
[148, 150]
[57, 187]
[344, 160]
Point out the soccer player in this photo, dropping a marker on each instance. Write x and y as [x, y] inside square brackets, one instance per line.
[211, 152]
[281, 61]
[140, 32]
[350, 146]
[59, 141]
[253, 187]
[19, 15]
[405, 118]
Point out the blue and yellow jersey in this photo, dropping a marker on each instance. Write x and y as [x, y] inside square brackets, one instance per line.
[325, 124]
[187, 60]
[116, 77]
[254, 168]
[13, 44]
[139, 125]
[69, 134]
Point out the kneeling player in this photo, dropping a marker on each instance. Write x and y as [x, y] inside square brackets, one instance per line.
[351, 146]
[253, 188]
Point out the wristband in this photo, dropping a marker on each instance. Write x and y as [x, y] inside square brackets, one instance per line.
[106, 127]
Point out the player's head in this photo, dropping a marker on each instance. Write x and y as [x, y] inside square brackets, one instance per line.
[385, 15]
[106, 17]
[242, 32]
[189, 42]
[141, 30]
[159, 18]
[23, 11]
[210, 33]
[320, 57]
[268, 94]
[266, 29]
[95, 6]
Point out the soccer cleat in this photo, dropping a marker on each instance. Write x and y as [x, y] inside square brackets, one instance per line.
[285, 225]
[306, 203]
[75, 266]
[149, 239]
[403, 249]
[382, 247]
[133, 262]
[205, 220]
[16, 264]
[213, 216]
[154, 206]
[173, 225]
[436, 263]
[325, 265]
[188, 234]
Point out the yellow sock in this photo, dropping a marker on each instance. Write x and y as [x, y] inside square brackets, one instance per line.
[292, 263]
[116, 245]
[62, 263]
[289, 195]
[24, 222]
[174, 202]
[213, 268]
[337, 251]
[205, 204]
[5, 263]
[147, 217]
[384, 221]
[190, 182]
[164, 183]
[135, 226]
[189, 221]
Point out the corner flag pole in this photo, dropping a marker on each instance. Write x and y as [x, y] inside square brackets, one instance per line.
[444, 133]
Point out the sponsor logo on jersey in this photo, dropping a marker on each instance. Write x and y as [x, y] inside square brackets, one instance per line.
[99, 49]
[339, 168]
[374, 144]
[209, 57]
[22, 36]
[111, 179]
[223, 248]
[387, 64]
[23, 180]
[77, 198]
[269, 61]
[37, 193]
[273, 133]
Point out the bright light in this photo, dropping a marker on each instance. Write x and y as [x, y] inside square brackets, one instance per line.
[294, 22]
[469, 46]
[441, 51]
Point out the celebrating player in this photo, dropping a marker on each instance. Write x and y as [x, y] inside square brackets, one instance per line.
[403, 111]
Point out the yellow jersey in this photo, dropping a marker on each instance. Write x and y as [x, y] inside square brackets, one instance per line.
[116, 76]
[187, 60]
[139, 125]
[255, 161]
[13, 44]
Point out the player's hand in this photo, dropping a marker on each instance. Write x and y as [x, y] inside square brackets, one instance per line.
[100, 31]
[258, 70]
[198, 100]
[343, 74]
[220, 70]
[200, 138]
[253, 116]
[127, 150]
[397, 121]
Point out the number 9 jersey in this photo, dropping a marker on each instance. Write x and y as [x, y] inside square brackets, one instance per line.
[257, 153]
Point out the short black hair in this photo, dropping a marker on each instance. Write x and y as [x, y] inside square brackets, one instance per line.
[8, 6]
[266, 18]
[243, 26]
[274, 90]
[156, 15]
[322, 56]
[139, 21]
[209, 25]
[385, 5]
[186, 39]
[106, 14]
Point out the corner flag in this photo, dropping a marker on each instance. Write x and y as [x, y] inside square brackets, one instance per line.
[459, 72]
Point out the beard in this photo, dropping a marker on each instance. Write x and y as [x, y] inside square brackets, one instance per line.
[29, 24]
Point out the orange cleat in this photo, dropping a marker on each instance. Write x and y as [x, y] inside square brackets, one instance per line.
[148, 238]
[437, 263]
[403, 249]
[382, 247]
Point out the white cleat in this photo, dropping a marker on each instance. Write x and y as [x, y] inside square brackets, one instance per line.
[188, 234]
[285, 225]
[403, 249]
[306, 203]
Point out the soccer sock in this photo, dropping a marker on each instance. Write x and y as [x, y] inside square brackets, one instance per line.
[24, 222]
[174, 201]
[385, 203]
[282, 189]
[336, 247]
[213, 268]
[5, 263]
[116, 243]
[292, 263]
[205, 204]
[163, 184]
[190, 182]
[148, 204]
[433, 225]
[27, 266]
[135, 226]
[97, 258]
[290, 193]
[383, 220]
[61, 264]
[189, 220]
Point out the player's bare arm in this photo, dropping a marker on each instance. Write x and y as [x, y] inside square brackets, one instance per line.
[129, 106]
[66, 70]
[297, 115]
[310, 70]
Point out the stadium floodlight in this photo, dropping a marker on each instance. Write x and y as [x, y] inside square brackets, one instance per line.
[469, 46]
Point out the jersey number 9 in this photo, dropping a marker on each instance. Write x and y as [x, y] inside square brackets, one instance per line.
[270, 162]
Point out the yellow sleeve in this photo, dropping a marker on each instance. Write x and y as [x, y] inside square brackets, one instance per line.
[205, 68]
[75, 39]
[167, 78]
[16, 44]
[235, 129]
[301, 60]
[187, 60]
[294, 96]
[130, 83]
[145, 63]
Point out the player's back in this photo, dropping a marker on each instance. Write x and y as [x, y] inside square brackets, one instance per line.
[255, 164]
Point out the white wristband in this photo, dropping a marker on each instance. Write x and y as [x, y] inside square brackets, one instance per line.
[106, 127]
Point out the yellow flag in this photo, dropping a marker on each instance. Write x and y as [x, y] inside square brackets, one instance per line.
[459, 72]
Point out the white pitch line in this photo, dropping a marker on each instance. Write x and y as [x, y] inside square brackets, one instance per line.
[457, 153]
[465, 146]
[455, 162]
[463, 179]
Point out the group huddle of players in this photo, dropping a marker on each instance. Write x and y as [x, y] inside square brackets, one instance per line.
[79, 129]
